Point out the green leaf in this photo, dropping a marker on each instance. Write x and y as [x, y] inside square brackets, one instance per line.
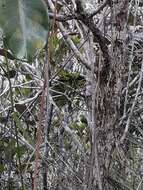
[20, 151]
[1, 168]
[25, 25]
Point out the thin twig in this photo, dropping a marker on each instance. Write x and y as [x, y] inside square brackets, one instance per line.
[133, 106]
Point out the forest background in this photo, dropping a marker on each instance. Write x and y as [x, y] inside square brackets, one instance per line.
[71, 95]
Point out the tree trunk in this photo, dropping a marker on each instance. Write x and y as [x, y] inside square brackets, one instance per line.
[108, 83]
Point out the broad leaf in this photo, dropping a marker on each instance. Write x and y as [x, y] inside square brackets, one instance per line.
[24, 24]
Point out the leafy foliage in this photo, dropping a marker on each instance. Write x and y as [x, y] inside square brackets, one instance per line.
[91, 114]
[24, 25]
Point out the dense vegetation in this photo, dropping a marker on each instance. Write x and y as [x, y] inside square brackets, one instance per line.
[71, 95]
